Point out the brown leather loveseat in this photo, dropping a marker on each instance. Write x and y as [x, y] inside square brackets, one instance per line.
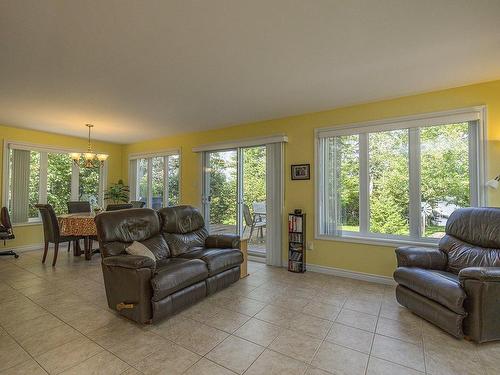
[189, 265]
[457, 285]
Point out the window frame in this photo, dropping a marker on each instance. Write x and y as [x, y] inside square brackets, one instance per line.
[132, 174]
[44, 150]
[477, 159]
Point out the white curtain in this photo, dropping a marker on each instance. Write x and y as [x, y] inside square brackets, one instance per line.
[20, 185]
[332, 186]
[274, 215]
[132, 179]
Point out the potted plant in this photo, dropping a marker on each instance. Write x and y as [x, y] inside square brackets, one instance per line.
[117, 192]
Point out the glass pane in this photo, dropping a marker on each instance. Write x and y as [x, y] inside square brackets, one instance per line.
[142, 180]
[254, 198]
[348, 153]
[444, 175]
[173, 180]
[59, 181]
[88, 187]
[223, 193]
[341, 158]
[389, 182]
[158, 173]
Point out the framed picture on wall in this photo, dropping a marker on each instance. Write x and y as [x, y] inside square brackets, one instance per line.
[301, 172]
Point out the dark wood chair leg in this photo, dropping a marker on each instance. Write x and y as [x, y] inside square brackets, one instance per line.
[78, 248]
[56, 250]
[45, 250]
[87, 248]
[69, 246]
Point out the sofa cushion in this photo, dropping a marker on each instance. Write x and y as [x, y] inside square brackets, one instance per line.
[439, 286]
[116, 230]
[464, 255]
[174, 274]
[478, 226]
[217, 260]
[182, 243]
[181, 219]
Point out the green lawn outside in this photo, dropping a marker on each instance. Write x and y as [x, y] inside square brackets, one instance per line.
[430, 230]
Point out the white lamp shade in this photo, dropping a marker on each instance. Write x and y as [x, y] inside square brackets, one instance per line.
[88, 155]
[102, 157]
[75, 156]
[493, 184]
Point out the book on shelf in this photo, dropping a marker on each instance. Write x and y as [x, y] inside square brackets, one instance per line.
[294, 223]
[295, 237]
[296, 257]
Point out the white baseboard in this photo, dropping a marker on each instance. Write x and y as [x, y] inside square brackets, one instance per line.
[351, 274]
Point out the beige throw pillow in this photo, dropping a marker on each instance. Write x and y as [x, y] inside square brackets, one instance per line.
[138, 248]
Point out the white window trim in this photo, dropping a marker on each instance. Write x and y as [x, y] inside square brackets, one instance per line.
[132, 173]
[478, 147]
[146, 155]
[248, 142]
[42, 196]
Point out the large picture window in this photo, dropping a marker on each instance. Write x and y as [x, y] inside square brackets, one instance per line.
[38, 175]
[154, 179]
[398, 180]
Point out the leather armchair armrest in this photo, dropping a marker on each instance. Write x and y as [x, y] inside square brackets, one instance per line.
[421, 257]
[480, 274]
[223, 241]
[129, 261]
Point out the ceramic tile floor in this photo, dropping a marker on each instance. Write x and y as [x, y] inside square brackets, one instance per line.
[56, 321]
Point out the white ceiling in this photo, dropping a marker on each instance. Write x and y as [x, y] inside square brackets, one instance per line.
[142, 69]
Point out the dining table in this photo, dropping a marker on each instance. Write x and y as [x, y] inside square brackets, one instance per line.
[79, 225]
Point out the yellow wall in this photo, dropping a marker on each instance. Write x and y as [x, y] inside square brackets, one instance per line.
[32, 234]
[300, 149]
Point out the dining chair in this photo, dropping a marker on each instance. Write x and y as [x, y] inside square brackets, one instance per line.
[75, 207]
[252, 222]
[137, 204]
[6, 232]
[118, 206]
[51, 231]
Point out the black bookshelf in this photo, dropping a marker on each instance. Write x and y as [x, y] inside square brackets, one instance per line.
[297, 242]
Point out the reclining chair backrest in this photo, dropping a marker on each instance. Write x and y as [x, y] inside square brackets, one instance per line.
[118, 229]
[472, 238]
[183, 228]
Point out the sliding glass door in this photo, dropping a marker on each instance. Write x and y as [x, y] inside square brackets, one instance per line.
[235, 194]
[253, 198]
[221, 196]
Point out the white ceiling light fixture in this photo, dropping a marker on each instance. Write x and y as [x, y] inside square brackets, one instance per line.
[91, 159]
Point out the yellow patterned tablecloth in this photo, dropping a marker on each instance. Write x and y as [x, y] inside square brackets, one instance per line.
[81, 224]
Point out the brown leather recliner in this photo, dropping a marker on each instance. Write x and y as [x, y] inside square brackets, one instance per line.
[456, 286]
[189, 265]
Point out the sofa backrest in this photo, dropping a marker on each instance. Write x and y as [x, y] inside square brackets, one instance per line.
[472, 238]
[183, 228]
[116, 230]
